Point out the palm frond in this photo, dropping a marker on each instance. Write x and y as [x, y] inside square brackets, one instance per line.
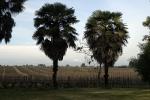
[54, 29]
[7, 9]
[106, 34]
[6, 25]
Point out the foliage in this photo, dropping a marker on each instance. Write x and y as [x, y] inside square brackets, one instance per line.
[133, 62]
[83, 65]
[106, 34]
[54, 29]
[7, 9]
[143, 60]
[55, 32]
[147, 22]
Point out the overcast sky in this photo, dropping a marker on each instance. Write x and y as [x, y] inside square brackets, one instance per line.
[22, 48]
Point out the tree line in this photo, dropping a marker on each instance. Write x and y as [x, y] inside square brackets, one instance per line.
[105, 32]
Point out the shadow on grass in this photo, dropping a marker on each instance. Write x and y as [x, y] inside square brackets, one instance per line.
[74, 94]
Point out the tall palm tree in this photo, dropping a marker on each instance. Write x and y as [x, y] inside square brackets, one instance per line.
[106, 34]
[7, 9]
[55, 32]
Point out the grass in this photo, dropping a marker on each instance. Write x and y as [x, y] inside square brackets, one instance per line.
[75, 94]
[65, 72]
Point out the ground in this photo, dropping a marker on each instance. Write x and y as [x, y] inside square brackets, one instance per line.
[75, 94]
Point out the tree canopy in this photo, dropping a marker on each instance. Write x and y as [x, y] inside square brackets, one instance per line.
[106, 34]
[133, 62]
[54, 29]
[7, 9]
[146, 23]
[143, 60]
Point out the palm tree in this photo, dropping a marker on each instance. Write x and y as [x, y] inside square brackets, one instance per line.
[55, 32]
[106, 34]
[7, 9]
[146, 23]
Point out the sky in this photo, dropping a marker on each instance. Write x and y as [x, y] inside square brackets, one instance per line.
[23, 50]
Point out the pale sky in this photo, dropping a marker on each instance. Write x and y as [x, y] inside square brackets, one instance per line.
[23, 50]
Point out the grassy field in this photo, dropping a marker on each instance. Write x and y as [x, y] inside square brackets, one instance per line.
[30, 76]
[64, 72]
[75, 94]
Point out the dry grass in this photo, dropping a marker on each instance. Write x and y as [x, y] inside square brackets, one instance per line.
[65, 72]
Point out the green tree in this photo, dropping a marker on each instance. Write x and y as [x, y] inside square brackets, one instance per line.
[133, 62]
[55, 32]
[83, 65]
[146, 23]
[7, 9]
[143, 60]
[106, 34]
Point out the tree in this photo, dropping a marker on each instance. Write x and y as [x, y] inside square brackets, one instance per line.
[106, 34]
[143, 60]
[146, 23]
[7, 9]
[55, 32]
[67, 65]
[133, 62]
[83, 65]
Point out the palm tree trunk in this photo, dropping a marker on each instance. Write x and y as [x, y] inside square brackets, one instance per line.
[99, 72]
[55, 69]
[106, 74]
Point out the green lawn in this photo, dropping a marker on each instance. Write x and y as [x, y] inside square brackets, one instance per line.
[75, 94]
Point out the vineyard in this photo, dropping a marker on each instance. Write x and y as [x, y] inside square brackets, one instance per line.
[26, 76]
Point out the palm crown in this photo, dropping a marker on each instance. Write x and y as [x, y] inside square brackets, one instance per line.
[105, 34]
[54, 29]
[146, 23]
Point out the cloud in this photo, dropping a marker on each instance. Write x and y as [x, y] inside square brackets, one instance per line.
[29, 10]
[30, 54]
[14, 54]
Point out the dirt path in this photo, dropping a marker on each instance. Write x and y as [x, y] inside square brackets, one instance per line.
[37, 72]
[19, 72]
